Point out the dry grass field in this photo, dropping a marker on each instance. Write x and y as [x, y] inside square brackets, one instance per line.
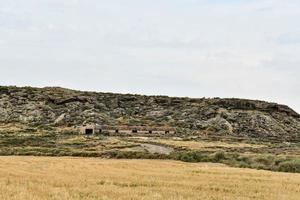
[46, 178]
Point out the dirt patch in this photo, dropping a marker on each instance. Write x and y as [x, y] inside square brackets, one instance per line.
[157, 149]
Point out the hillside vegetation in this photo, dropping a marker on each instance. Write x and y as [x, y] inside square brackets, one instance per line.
[231, 117]
[235, 132]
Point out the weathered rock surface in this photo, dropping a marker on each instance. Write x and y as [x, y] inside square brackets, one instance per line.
[64, 107]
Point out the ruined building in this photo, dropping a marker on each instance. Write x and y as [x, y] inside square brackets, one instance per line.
[95, 128]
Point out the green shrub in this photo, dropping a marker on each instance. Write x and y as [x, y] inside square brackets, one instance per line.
[264, 160]
[218, 156]
[242, 164]
[258, 166]
[188, 157]
[290, 166]
[244, 159]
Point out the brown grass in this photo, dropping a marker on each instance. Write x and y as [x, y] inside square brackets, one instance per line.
[42, 178]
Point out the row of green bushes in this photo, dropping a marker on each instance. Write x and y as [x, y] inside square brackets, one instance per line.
[265, 162]
[46, 146]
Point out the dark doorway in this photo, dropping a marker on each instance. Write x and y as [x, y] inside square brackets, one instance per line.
[167, 132]
[150, 131]
[117, 131]
[100, 130]
[89, 131]
[134, 131]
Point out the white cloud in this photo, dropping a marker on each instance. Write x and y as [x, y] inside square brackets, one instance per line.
[233, 48]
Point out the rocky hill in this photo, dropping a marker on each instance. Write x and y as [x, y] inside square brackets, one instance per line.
[64, 107]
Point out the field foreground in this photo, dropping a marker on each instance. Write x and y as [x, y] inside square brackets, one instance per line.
[45, 178]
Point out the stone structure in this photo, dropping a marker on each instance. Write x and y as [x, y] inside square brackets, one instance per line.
[95, 128]
[87, 129]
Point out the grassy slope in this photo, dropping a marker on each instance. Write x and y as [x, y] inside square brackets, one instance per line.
[42, 178]
[246, 153]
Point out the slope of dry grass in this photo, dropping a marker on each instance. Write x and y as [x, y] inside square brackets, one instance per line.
[43, 178]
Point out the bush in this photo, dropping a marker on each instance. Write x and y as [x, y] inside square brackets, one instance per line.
[258, 166]
[218, 156]
[264, 160]
[189, 156]
[243, 159]
[290, 166]
[242, 164]
[134, 155]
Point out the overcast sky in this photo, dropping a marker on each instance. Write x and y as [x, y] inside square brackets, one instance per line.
[197, 48]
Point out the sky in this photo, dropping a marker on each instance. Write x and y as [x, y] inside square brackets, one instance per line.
[195, 48]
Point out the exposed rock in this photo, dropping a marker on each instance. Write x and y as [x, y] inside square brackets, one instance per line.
[60, 119]
[236, 117]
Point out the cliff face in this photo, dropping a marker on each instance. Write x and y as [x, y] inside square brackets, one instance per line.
[64, 107]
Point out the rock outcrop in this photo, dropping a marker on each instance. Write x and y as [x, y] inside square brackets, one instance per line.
[64, 107]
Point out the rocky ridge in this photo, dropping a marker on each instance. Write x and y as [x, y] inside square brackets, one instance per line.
[55, 106]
